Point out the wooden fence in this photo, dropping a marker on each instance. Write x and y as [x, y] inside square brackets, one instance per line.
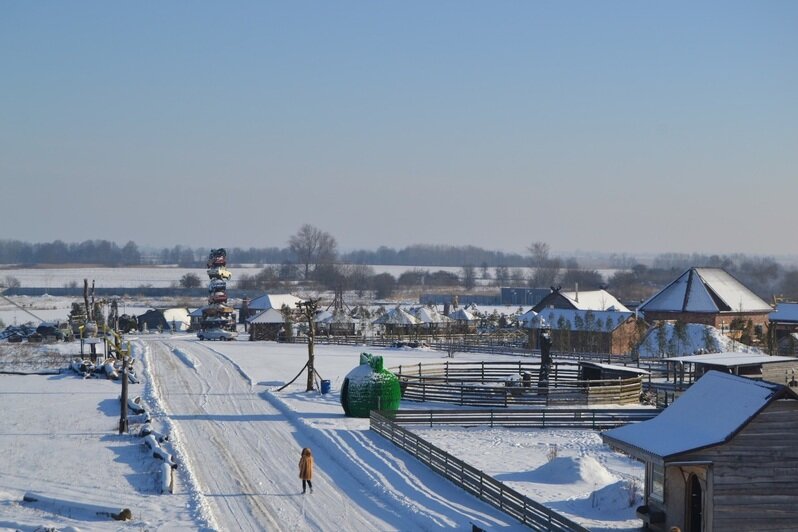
[472, 480]
[464, 343]
[502, 384]
[575, 418]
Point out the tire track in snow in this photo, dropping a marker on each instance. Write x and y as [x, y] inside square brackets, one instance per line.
[233, 423]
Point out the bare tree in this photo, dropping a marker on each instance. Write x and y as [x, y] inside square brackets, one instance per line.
[469, 277]
[540, 254]
[311, 245]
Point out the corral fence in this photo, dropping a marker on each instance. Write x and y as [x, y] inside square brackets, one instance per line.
[472, 480]
[463, 343]
[516, 383]
[542, 418]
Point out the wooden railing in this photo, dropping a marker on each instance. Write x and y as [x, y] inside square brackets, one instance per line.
[463, 343]
[576, 418]
[472, 480]
[502, 384]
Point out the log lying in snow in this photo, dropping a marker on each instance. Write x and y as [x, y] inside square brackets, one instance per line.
[134, 405]
[147, 429]
[73, 507]
[110, 370]
[139, 418]
[167, 478]
[158, 451]
[82, 367]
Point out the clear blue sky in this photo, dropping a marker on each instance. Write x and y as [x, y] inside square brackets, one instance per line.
[610, 126]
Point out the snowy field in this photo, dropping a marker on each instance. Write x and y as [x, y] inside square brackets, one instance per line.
[60, 437]
[166, 276]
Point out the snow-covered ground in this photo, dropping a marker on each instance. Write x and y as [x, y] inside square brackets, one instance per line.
[237, 440]
[692, 339]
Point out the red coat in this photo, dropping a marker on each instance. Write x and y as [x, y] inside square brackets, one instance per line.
[306, 468]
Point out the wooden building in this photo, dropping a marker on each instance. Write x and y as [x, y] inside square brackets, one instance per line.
[784, 328]
[266, 302]
[594, 300]
[721, 457]
[585, 331]
[398, 322]
[267, 325]
[710, 296]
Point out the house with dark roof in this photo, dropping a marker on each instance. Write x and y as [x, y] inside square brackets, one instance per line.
[269, 301]
[711, 296]
[584, 300]
[584, 331]
[721, 457]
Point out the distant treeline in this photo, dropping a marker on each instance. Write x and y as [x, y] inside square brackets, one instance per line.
[633, 281]
[105, 253]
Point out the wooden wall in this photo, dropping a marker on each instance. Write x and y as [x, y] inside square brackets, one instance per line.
[754, 478]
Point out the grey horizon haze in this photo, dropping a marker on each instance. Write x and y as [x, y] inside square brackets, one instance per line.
[625, 126]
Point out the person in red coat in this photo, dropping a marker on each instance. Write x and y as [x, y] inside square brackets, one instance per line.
[306, 469]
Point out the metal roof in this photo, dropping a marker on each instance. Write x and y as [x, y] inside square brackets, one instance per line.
[785, 312]
[709, 413]
[731, 359]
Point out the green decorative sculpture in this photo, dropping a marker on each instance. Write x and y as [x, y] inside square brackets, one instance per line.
[369, 387]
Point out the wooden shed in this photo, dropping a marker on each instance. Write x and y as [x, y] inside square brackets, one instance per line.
[267, 325]
[721, 457]
[784, 328]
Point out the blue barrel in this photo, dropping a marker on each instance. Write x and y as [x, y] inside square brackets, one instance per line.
[325, 386]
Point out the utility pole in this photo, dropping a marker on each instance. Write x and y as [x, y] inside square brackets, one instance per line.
[123, 423]
[308, 309]
[544, 343]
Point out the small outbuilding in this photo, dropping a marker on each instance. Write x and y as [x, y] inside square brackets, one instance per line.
[783, 328]
[266, 325]
[721, 457]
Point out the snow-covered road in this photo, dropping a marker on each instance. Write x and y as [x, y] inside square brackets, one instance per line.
[242, 451]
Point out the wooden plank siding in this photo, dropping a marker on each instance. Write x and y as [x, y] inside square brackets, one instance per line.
[754, 484]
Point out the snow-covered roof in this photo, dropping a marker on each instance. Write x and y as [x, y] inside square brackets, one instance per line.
[707, 290]
[397, 316]
[552, 316]
[594, 300]
[274, 301]
[430, 315]
[709, 413]
[616, 367]
[270, 315]
[462, 314]
[176, 314]
[731, 359]
[526, 318]
[336, 318]
[785, 312]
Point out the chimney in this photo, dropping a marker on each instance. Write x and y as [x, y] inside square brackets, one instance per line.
[577, 293]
